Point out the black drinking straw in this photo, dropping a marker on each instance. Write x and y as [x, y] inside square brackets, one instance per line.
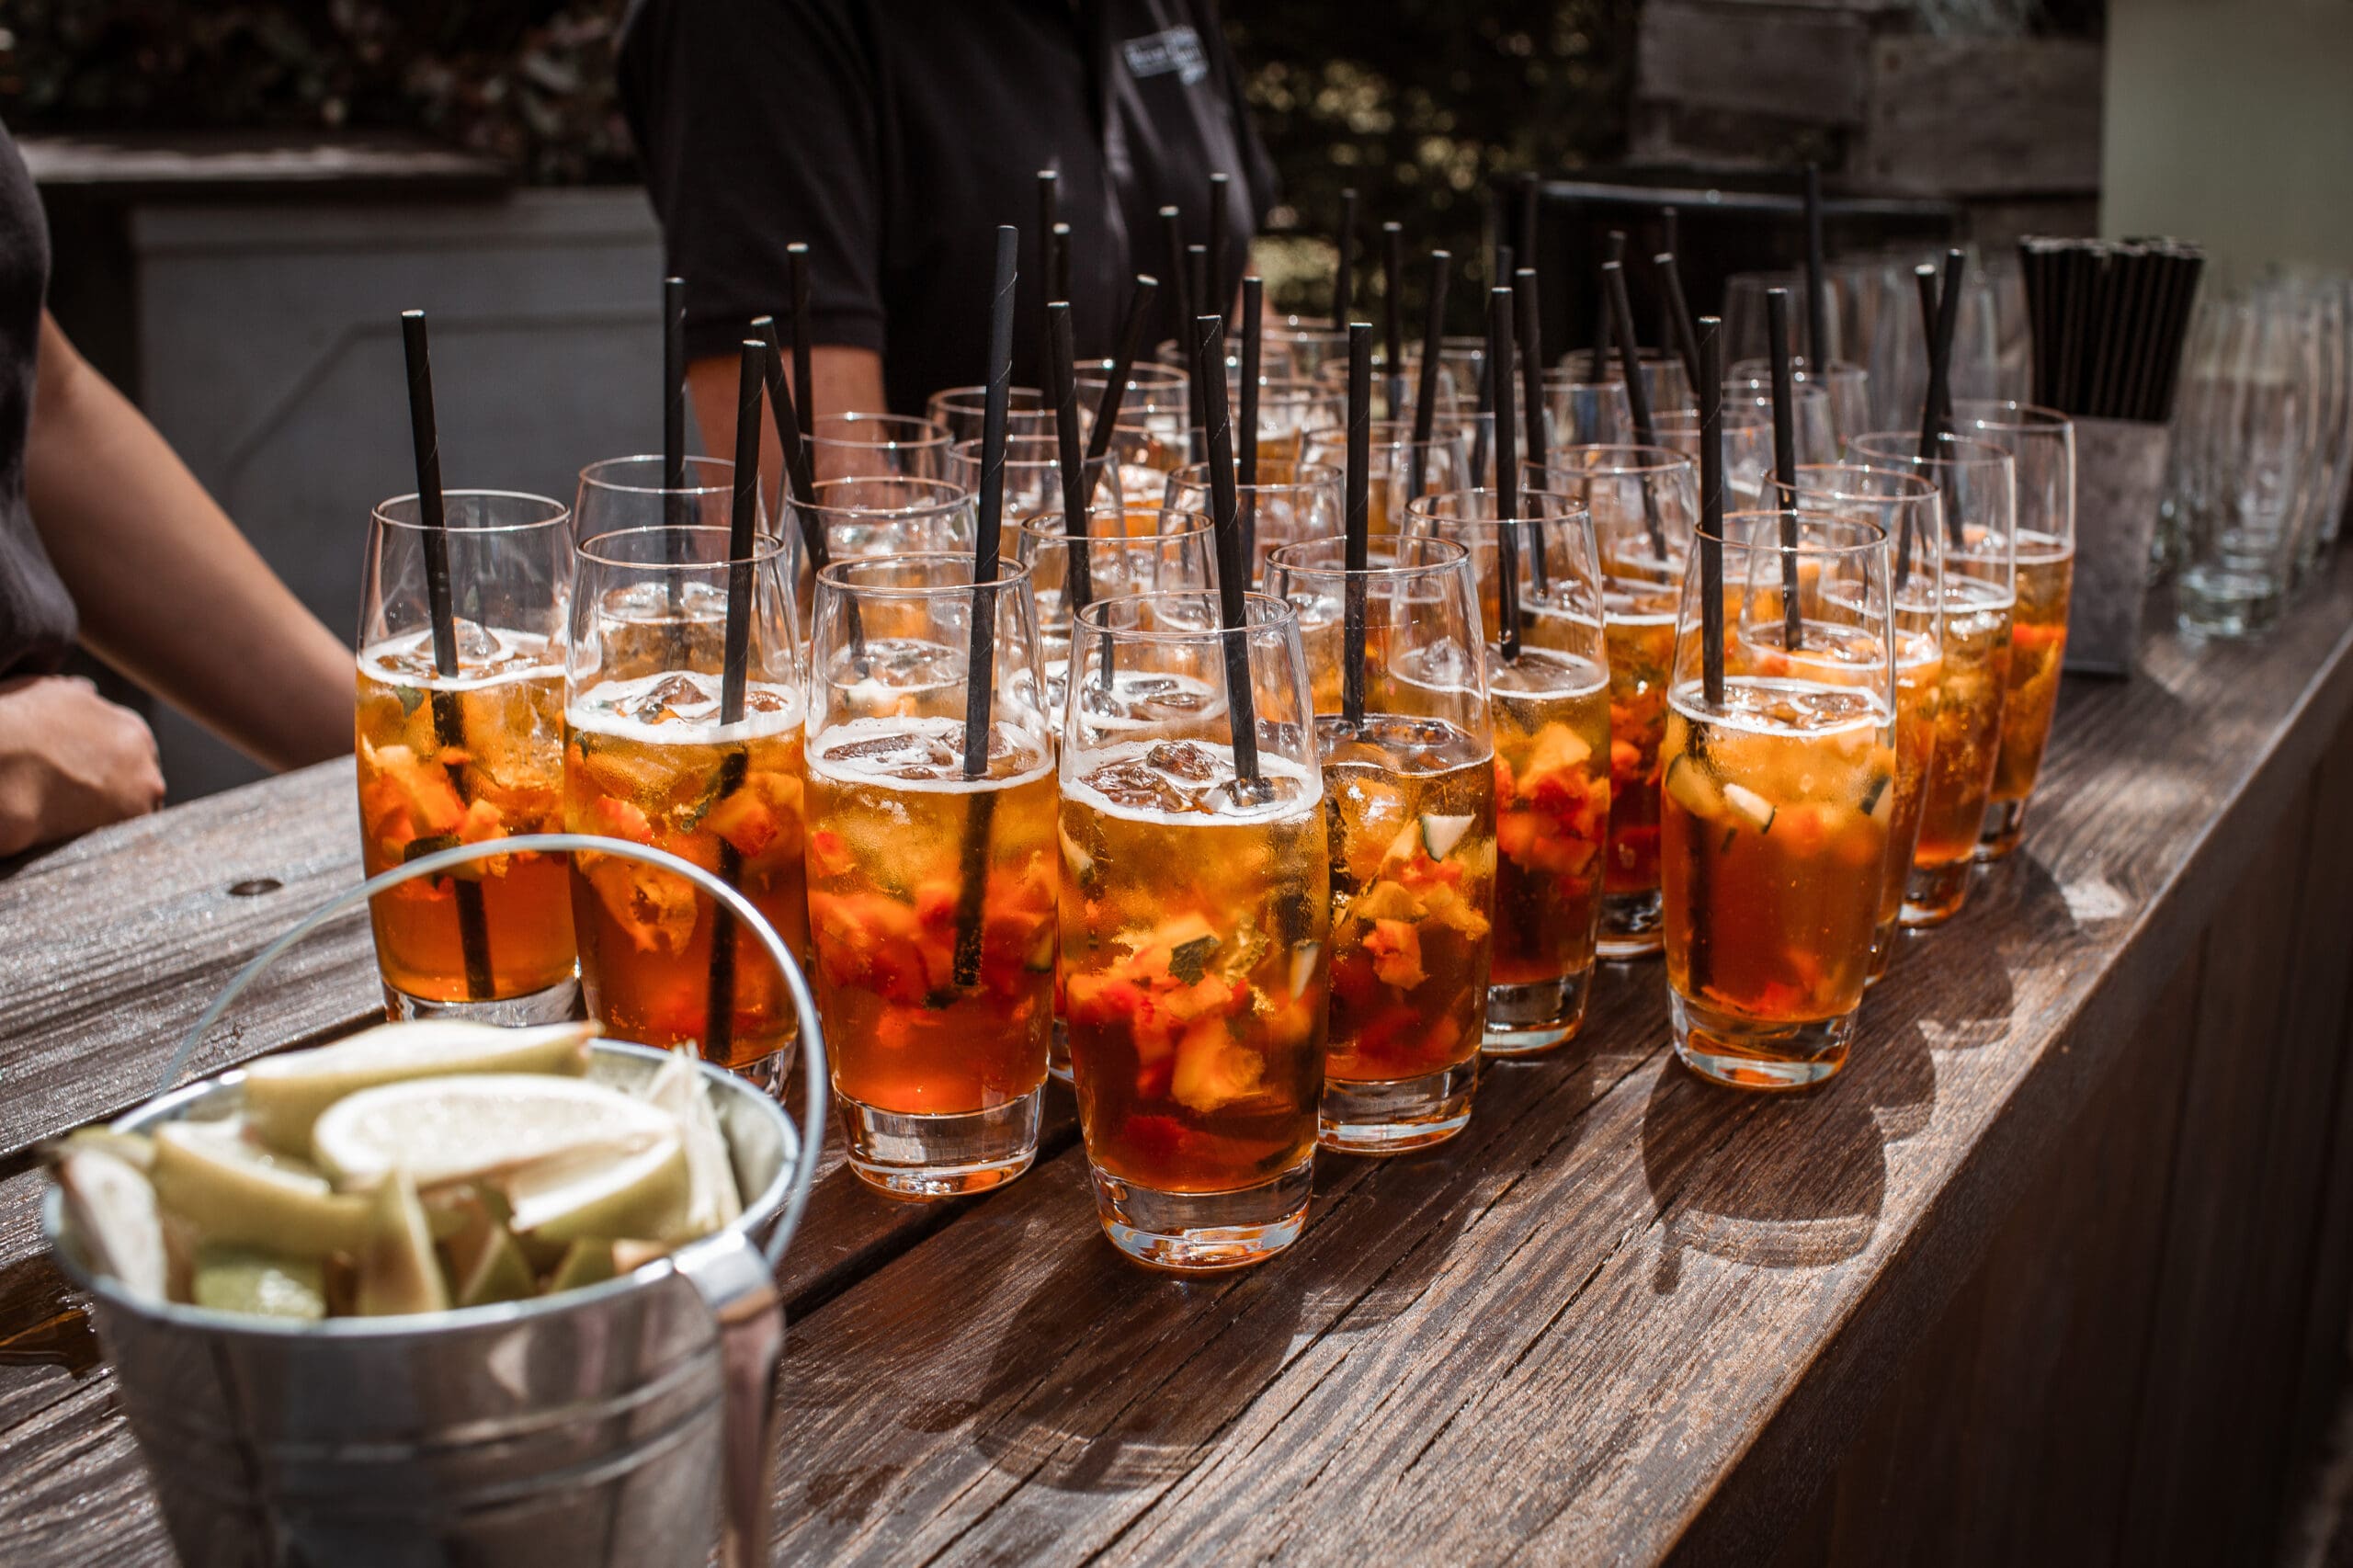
[448, 715]
[1107, 411]
[1936, 406]
[1785, 463]
[1678, 313]
[1356, 519]
[1218, 299]
[1180, 301]
[1049, 212]
[1948, 321]
[1529, 188]
[1817, 295]
[674, 382]
[743, 528]
[1499, 356]
[1670, 240]
[1254, 304]
[1710, 393]
[796, 257]
[799, 484]
[1613, 249]
[1392, 316]
[1197, 265]
[1539, 452]
[1233, 573]
[1621, 319]
[979, 664]
[1060, 282]
[1343, 271]
[1433, 352]
[1062, 381]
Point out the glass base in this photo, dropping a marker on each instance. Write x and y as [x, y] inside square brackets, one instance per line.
[1883, 941]
[1058, 1054]
[1743, 1053]
[1934, 895]
[2005, 825]
[1204, 1232]
[1523, 1020]
[1395, 1116]
[2216, 601]
[1632, 923]
[950, 1156]
[772, 1074]
[555, 1004]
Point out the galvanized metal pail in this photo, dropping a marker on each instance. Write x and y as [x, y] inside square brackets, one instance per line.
[597, 1427]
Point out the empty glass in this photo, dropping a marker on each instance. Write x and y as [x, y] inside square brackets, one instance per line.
[877, 445]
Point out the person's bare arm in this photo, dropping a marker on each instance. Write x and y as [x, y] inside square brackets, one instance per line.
[70, 761]
[169, 592]
[849, 380]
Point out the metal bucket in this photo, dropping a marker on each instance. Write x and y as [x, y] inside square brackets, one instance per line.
[597, 1427]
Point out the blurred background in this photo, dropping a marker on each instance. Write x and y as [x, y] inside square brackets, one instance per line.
[243, 191]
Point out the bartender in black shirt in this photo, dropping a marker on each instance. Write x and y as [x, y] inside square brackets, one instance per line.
[894, 136]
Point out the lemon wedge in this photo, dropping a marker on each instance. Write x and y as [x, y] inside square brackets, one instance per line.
[712, 1200]
[594, 1192]
[112, 1209]
[234, 1190]
[481, 1127]
[285, 1095]
[241, 1279]
[398, 1272]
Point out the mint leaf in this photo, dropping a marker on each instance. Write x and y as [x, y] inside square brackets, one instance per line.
[1189, 962]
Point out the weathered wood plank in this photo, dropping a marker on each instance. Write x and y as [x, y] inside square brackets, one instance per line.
[1800, 63]
[2327, 916]
[1965, 116]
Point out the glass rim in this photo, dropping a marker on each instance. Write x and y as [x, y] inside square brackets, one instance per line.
[589, 476]
[957, 451]
[1186, 476]
[1262, 612]
[951, 496]
[931, 434]
[1203, 523]
[1451, 555]
[1798, 367]
[1693, 420]
[1867, 537]
[765, 546]
[1569, 507]
[1963, 451]
[1439, 433]
[1673, 459]
[1097, 372]
[562, 513]
[2028, 418]
[976, 397]
[1918, 489]
[840, 575]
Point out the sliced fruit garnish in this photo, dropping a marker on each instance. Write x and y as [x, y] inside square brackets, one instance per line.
[492, 1269]
[285, 1095]
[1689, 783]
[112, 1209]
[1441, 834]
[712, 1200]
[133, 1149]
[398, 1272]
[587, 1262]
[259, 1284]
[1212, 1070]
[1879, 800]
[472, 1129]
[235, 1190]
[590, 1192]
[1302, 966]
[1752, 807]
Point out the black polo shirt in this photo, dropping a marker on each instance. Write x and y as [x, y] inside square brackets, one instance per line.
[36, 615]
[894, 135]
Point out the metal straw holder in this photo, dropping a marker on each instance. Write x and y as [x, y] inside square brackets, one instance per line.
[2119, 480]
[595, 1428]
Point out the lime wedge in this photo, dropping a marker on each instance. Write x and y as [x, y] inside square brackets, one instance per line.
[234, 1190]
[285, 1095]
[493, 1270]
[598, 1192]
[112, 1209]
[587, 1262]
[712, 1200]
[260, 1284]
[398, 1272]
[133, 1149]
[481, 1127]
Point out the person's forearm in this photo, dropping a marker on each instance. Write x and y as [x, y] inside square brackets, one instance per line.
[849, 381]
[169, 591]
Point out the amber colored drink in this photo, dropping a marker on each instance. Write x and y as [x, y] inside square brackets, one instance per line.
[1196, 920]
[1409, 809]
[2038, 649]
[1774, 832]
[1551, 818]
[647, 760]
[938, 996]
[1969, 733]
[1919, 678]
[466, 760]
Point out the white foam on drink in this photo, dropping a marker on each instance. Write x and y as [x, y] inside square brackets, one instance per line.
[1819, 709]
[885, 751]
[1545, 672]
[487, 655]
[1304, 796]
[628, 709]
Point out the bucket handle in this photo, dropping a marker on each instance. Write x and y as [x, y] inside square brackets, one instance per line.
[736, 1279]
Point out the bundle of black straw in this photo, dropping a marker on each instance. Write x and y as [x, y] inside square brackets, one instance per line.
[2109, 319]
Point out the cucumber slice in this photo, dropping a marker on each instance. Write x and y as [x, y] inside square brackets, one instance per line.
[1302, 967]
[1876, 799]
[1692, 789]
[1751, 806]
[1441, 834]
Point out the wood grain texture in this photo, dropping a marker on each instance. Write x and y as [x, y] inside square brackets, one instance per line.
[1964, 116]
[1623, 1316]
[1804, 64]
[2326, 926]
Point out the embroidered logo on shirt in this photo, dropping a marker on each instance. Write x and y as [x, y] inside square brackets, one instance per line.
[1156, 54]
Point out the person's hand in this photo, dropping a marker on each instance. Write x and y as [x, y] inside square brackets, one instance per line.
[70, 761]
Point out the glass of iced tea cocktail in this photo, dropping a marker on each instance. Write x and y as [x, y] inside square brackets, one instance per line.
[1305, 504]
[2041, 445]
[932, 869]
[1642, 502]
[1196, 925]
[1551, 706]
[1409, 812]
[1973, 479]
[463, 743]
[1779, 792]
[1909, 511]
[649, 758]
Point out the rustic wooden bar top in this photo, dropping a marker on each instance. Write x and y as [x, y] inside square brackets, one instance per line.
[1623, 1316]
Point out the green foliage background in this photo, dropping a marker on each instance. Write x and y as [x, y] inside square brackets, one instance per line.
[1417, 103]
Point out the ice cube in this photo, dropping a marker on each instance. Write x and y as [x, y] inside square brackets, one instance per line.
[1134, 784]
[911, 771]
[1243, 794]
[1183, 759]
[759, 701]
[661, 700]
